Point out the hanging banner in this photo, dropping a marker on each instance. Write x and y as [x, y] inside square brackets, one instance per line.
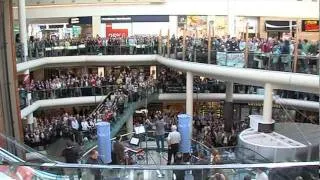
[310, 25]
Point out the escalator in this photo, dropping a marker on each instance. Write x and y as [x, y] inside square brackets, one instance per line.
[121, 119]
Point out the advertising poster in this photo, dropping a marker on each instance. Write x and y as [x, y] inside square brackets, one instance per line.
[197, 26]
[220, 26]
[310, 25]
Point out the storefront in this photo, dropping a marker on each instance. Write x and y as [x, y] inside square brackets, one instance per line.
[241, 26]
[281, 28]
[134, 25]
[81, 26]
[52, 31]
[196, 25]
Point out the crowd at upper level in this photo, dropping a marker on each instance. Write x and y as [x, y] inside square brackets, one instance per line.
[270, 53]
[168, 80]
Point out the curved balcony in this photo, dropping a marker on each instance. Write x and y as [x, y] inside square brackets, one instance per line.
[279, 80]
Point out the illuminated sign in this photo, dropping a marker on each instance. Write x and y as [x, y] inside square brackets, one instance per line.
[310, 25]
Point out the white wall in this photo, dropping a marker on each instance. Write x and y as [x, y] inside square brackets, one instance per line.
[278, 8]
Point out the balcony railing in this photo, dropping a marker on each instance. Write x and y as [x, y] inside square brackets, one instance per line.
[253, 59]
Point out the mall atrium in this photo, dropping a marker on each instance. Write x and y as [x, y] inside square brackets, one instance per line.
[159, 89]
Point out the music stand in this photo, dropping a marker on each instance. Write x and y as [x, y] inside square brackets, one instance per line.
[140, 129]
[134, 141]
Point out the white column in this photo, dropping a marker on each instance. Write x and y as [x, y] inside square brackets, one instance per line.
[30, 121]
[229, 91]
[96, 23]
[23, 28]
[267, 104]
[189, 97]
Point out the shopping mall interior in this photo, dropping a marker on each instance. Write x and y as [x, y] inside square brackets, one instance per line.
[159, 89]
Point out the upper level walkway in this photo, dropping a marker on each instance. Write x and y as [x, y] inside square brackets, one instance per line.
[257, 77]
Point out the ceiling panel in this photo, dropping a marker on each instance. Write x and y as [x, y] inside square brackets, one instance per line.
[75, 2]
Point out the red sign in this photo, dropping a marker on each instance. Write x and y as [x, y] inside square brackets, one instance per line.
[310, 25]
[115, 32]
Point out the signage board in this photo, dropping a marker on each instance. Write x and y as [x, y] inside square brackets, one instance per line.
[136, 18]
[115, 32]
[310, 25]
[80, 20]
[279, 26]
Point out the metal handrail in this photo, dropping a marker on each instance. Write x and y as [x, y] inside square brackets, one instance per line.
[172, 167]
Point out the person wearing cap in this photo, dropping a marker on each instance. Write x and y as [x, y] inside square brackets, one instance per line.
[174, 139]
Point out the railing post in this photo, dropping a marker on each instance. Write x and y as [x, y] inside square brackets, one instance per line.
[209, 44]
[184, 42]
[246, 48]
[159, 42]
[295, 61]
[195, 46]
[168, 44]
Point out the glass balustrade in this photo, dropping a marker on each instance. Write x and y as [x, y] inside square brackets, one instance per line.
[253, 59]
[276, 171]
[207, 87]
[57, 93]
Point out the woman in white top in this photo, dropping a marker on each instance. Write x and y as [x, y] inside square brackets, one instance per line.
[85, 125]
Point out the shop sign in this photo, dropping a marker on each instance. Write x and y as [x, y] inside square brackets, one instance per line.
[279, 25]
[137, 18]
[310, 25]
[80, 20]
[56, 26]
[115, 32]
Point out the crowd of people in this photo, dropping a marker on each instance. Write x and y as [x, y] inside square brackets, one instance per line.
[276, 54]
[112, 45]
[47, 128]
[131, 86]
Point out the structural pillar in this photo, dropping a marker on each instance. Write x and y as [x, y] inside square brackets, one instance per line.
[10, 119]
[23, 29]
[267, 124]
[228, 107]
[189, 98]
[24, 46]
[96, 23]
